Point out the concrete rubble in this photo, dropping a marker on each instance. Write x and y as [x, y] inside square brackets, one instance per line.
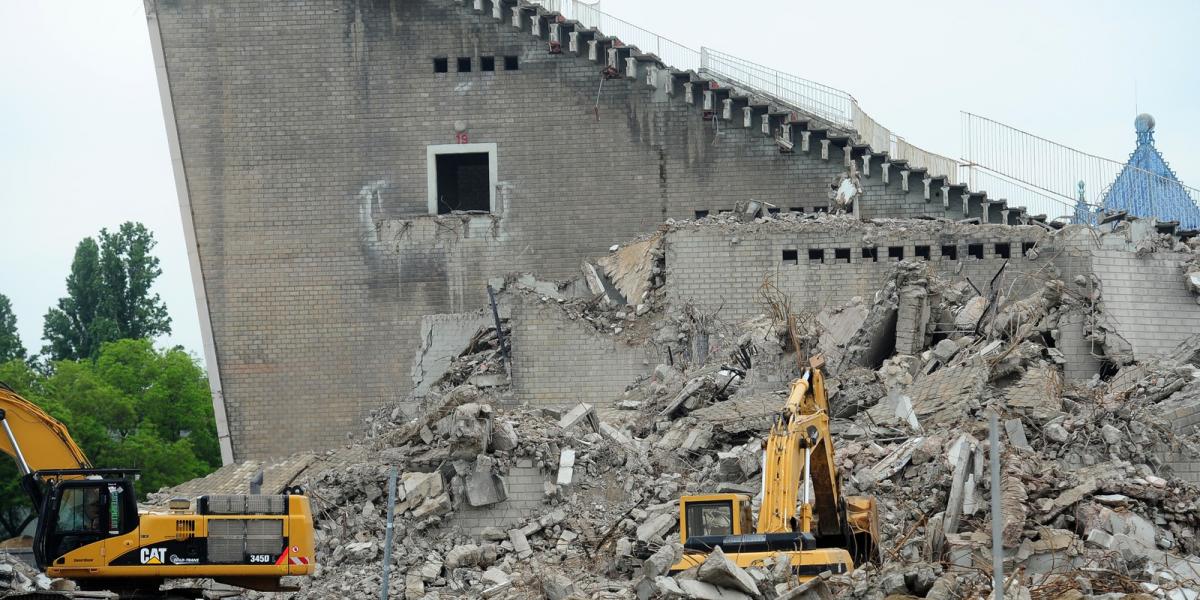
[1089, 507]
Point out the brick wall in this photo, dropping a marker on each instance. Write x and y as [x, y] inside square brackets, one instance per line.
[526, 489]
[560, 362]
[724, 268]
[303, 130]
[1147, 299]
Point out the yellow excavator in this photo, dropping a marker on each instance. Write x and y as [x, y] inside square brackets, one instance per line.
[89, 528]
[803, 515]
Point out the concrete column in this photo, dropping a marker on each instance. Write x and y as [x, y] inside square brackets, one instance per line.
[727, 109]
[631, 67]
[904, 180]
[848, 152]
[687, 93]
[593, 51]
[747, 117]
[1004, 215]
[610, 58]
[535, 25]
[804, 135]
[477, 4]
[573, 42]
[927, 181]
[866, 164]
[766, 123]
[887, 168]
[825, 149]
[516, 17]
[708, 100]
[496, 10]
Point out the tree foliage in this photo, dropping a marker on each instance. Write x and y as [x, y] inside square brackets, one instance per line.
[10, 343]
[132, 407]
[108, 295]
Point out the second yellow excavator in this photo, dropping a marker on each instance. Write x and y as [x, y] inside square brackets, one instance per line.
[803, 515]
[89, 528]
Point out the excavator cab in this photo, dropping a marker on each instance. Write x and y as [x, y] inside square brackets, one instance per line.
[81, 507]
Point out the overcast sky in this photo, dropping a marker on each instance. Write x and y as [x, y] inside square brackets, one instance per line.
[82, 143]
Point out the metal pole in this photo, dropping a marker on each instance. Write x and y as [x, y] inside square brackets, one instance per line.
[997, 543]
[387, 537]
[12, 441]
[496, 317]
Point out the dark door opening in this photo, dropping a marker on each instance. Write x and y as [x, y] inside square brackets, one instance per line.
[463, 183]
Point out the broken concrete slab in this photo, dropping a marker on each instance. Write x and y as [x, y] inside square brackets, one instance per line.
[654, 527]
[580, 413]
[720, 571]
[484, 487]
[566, 466]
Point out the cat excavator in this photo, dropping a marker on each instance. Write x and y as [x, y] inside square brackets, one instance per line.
[803, 518]
[89, 528]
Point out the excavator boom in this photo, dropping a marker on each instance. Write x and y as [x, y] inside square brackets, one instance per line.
[36, 440]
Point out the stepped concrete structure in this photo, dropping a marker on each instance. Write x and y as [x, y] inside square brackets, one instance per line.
[350, 170]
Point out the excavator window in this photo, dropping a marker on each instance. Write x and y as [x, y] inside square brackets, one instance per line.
[81, 512]
[709, 518]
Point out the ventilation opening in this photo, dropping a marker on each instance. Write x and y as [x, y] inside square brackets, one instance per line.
[700, 214]
[1026, 247]
[896, 252]
[441, 65]
[975, 251]
[510, 63]
[923, 252]
[821, 209]
[871, 254]
[950, 252]
[816, 256]
[773, 210]
[487, 63]
[841, 255]
[796, 209]
[791, 257]
[464, 65]
[1003, 250]
[463, 183]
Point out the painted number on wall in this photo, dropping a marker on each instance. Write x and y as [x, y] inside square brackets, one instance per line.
[461, 138]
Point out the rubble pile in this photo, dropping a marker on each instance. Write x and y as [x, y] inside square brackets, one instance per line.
[1088, 507]
[18, 577]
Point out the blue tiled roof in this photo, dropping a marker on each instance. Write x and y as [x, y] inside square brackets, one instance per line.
[1148, 187]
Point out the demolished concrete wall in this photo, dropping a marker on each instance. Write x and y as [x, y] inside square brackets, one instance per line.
[560, 359]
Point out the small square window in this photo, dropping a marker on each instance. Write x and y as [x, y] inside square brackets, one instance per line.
[464, 64]
[816, 255]
[441, 65]
[923, 252]
[773, 210]
[1003, 250]
[950, 252]
[796, 209]
[510, 63]
[790, 257]
[487, 63]
[841, 255]
[975, 251]
[700, 214]
[871, 254]
[896, 252]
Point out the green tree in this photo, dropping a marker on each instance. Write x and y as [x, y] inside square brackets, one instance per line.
[108, 295]
[10, 342]
[132, 407]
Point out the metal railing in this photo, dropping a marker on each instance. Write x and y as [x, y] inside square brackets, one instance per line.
[828, 103]
[1052, 172]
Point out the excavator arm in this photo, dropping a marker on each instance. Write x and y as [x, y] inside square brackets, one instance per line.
[36, 440]
[799, 449]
